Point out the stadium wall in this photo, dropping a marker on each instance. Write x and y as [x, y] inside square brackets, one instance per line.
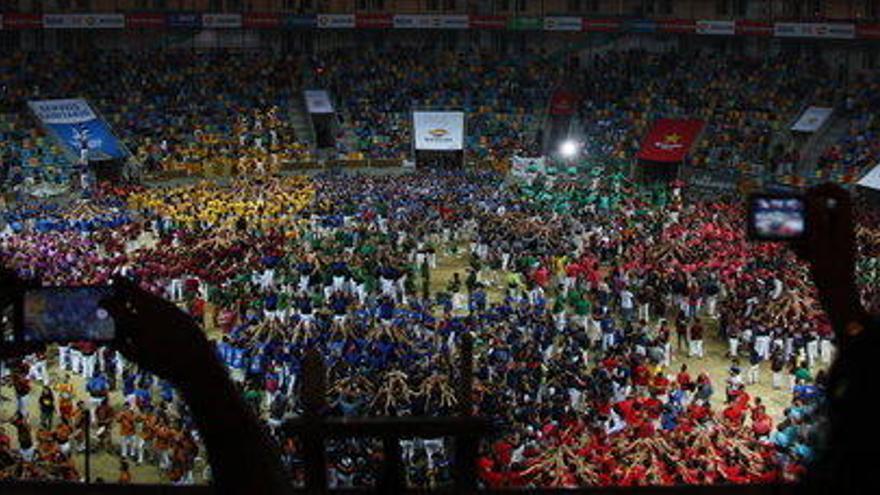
[688, 9]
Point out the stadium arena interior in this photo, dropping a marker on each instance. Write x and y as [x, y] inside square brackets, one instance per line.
[451, 246]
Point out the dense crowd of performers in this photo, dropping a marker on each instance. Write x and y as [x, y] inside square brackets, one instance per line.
[577, 316]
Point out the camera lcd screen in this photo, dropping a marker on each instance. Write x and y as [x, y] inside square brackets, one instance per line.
[7, 322]
[66, 314]
[778, 218]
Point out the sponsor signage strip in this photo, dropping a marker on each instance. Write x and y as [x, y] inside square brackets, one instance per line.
[414, 21]
[336, 21]
[677, 26]
[221, 21]
[821, 30]
[145, 21]
[83, 21]
[716, 28]
[261, 20]
[563, 24]
[374, 21]
[268, 20]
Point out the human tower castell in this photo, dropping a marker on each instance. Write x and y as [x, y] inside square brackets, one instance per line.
[578, 299]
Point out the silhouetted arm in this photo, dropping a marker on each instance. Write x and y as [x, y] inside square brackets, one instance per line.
[158, 336]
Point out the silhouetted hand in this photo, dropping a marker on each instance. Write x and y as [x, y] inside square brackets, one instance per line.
[166, 341]
[830, 250]
[157, 335]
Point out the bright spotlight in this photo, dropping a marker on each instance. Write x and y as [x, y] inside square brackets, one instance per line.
[568, 149]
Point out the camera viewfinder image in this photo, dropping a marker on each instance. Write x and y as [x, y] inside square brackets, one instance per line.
[67, 314]
[7, 323]
[779, 218]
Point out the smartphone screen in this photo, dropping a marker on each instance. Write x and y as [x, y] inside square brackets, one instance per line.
[65, 314]
[778, 218]
[7, 322]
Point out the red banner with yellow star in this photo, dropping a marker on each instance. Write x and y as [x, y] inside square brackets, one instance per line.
[670, 140]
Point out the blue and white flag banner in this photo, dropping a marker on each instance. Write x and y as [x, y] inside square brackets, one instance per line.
[73, 123]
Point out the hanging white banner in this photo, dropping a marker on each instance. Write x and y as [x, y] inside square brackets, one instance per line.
[441, 131]
[871, 180]
[812, 119]
[318, 101]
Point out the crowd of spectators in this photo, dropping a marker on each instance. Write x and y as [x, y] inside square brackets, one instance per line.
[503, 96]
[857, 150]
[745, 102]
[173, 109]
[230, 112]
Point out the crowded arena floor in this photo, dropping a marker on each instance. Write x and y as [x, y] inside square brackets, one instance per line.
[580, 341]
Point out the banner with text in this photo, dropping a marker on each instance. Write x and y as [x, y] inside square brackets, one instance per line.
[83, 21]
[440, 131]
[184, 20]
[670, 140]
[563, 24]
[336, 21]
[414, 21]
[814, 30]
[221, 21]
[73, 124]
[145, 21]
[716, 28]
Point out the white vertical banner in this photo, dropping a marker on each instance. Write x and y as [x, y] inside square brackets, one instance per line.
[438, 131]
